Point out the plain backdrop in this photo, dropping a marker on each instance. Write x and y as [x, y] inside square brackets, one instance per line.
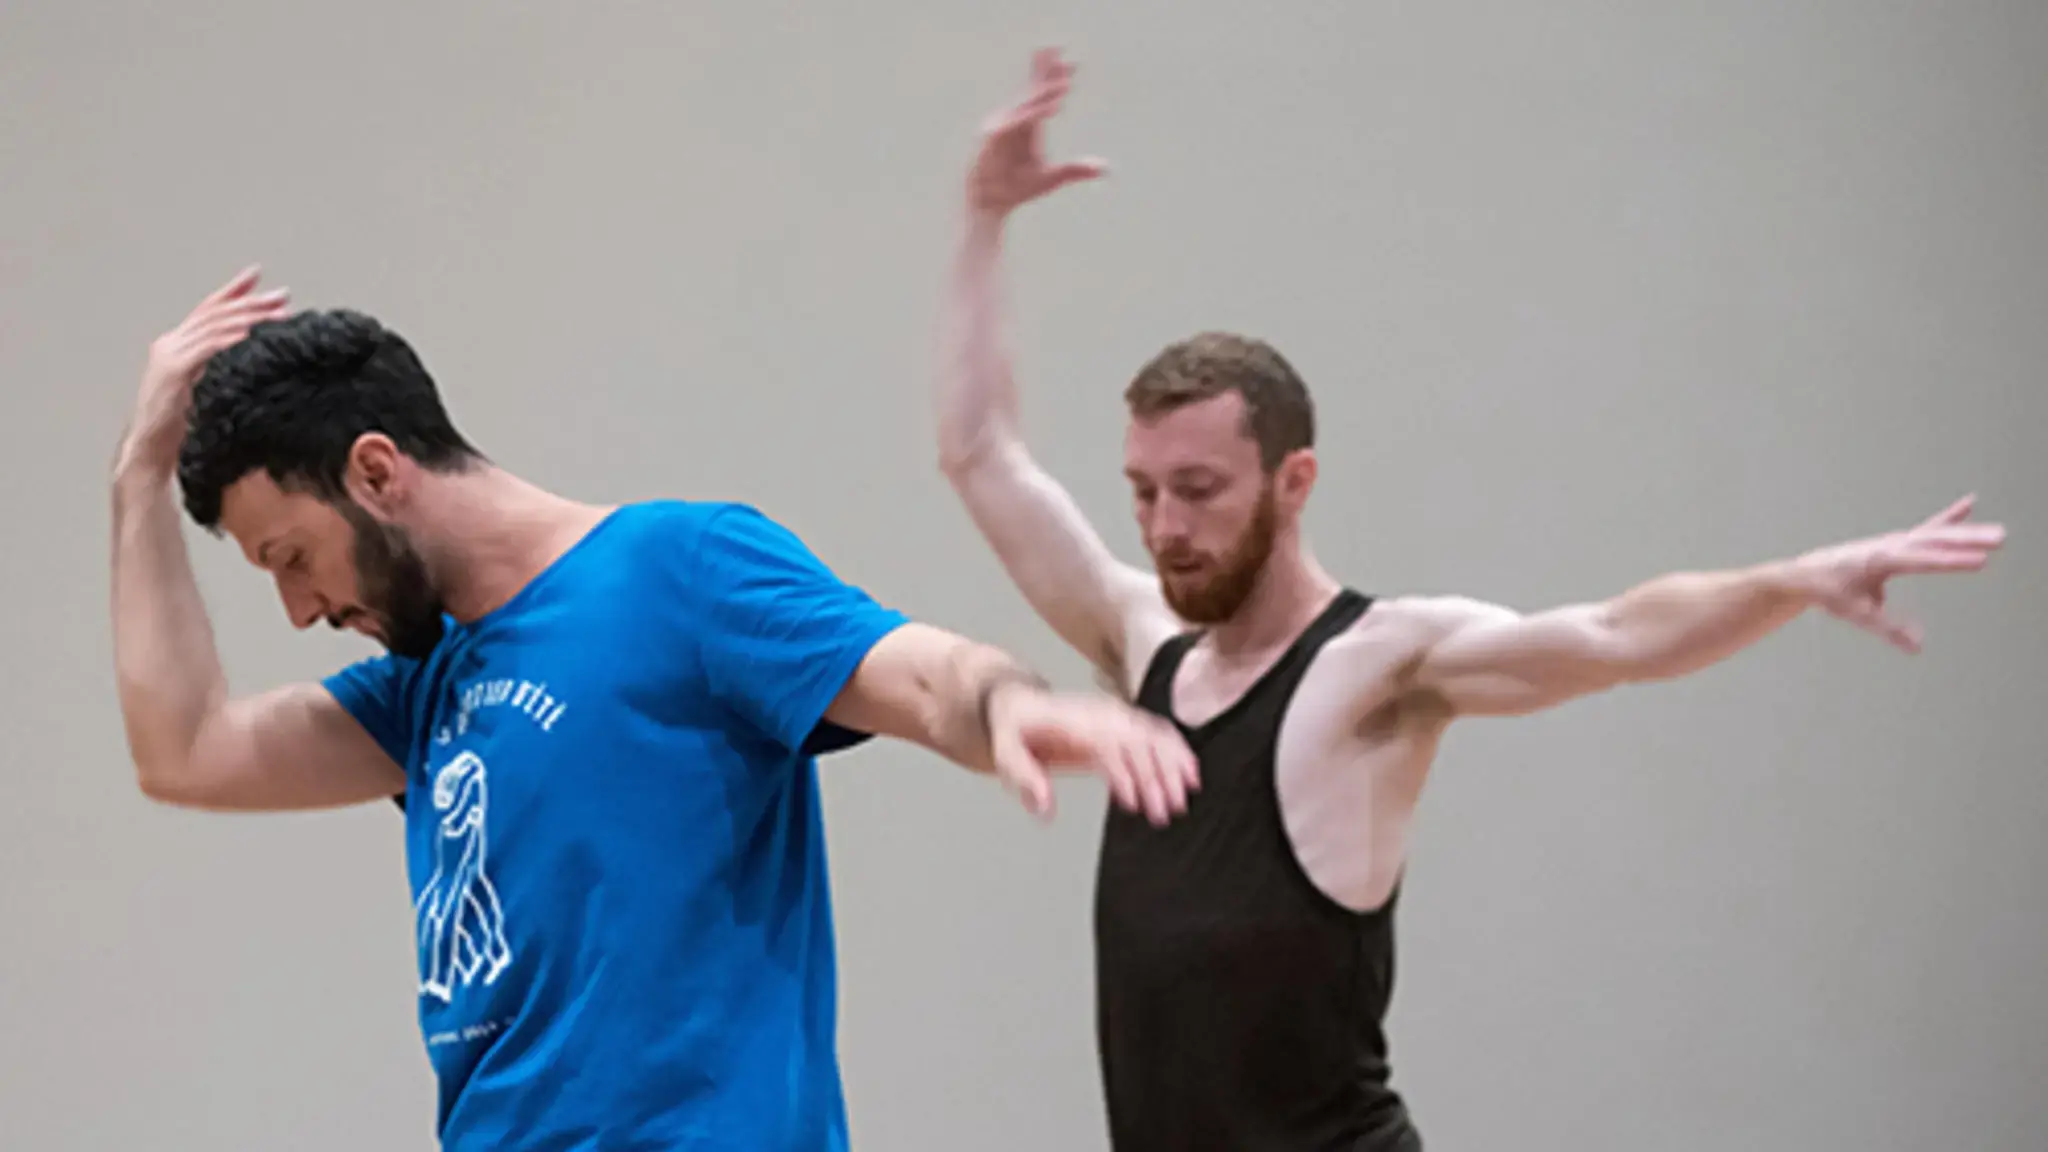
[1585, 292]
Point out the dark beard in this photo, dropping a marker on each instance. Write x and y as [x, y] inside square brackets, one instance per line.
[392, 579]
[1220, 597]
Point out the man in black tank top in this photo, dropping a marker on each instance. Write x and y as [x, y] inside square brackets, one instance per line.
[1238, 1006]
[1245, 949]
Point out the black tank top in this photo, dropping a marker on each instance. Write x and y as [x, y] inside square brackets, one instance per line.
[1239, 1008]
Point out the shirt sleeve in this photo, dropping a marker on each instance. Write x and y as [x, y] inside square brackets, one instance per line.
[376, 692]
[781, 633]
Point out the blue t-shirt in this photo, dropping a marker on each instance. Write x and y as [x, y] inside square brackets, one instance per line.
[614, 840]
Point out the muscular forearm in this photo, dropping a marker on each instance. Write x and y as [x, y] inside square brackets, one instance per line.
[969, 682]
[977, 396]
[934, 688]
[166, 665]
[1679, 623]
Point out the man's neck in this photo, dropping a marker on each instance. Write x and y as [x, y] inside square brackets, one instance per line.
[1291, 592]
[494, 533]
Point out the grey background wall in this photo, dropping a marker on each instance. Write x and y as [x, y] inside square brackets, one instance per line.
[1587, 291]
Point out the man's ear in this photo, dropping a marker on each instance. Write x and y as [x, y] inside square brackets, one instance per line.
[375, 475]
[1296, 478]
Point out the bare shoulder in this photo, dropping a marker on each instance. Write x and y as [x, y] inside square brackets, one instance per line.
[1379, 644]
[1371, 661]
[1432, 617]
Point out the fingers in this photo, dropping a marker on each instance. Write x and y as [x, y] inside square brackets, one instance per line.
[1954, 513]
[1011, 170]
[251, 309]
[1159, 808]
[1146, 764]
[236, 315]
[236, 286]
[1049, 66]
[234, 322]
[1051, 78]
[1980, 536]
[1924, 561]
[1018, 768]
[1040, 105]
[1161, 765]
[1946, 548]
[1121, 775]
[1868, 614]
[1045, 98]
[1900, 634]
[1136, 761]
[1178, 767]
[1075, 171]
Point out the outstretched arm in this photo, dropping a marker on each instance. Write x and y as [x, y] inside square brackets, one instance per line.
[1485, 660]
[1056, 558]
[978, 707]
[817, 664]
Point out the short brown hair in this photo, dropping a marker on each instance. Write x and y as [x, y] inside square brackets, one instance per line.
[1279, 415]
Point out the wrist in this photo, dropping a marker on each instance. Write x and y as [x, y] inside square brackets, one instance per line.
[1798, 579]
[141, 471]
[1002, 690]
[983, 226]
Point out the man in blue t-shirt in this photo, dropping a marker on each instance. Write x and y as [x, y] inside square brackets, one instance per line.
[600, 723]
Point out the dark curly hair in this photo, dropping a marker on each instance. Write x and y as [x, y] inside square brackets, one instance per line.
[292, 399]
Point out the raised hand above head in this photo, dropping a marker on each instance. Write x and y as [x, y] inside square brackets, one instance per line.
[1011, 168]
[177, 357]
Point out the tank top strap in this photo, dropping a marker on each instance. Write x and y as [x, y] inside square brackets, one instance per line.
[1341, 613]
[1155, 692]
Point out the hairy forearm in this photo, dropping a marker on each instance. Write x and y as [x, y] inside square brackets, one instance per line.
[933, 688]
[977, 394]
[967, 684]
[167, 669]
[1680, 623]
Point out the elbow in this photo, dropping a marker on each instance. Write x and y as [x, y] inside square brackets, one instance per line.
[977, 469]
[955, 464]
[159, 769]
[1618, 653]
[170, 777]
[960, 460]
[166, 785]
[987, 446]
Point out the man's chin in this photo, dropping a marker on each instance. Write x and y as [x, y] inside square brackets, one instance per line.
[1196, 603]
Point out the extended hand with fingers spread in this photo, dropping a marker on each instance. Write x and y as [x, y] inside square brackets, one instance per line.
[1011, 169]
[1848, 580]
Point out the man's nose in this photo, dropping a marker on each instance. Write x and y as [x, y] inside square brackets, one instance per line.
[305, 609]
[1169, 522]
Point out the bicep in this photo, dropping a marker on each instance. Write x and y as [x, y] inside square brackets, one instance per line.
[293, 747]
[1488, 660]
[1056, 558]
